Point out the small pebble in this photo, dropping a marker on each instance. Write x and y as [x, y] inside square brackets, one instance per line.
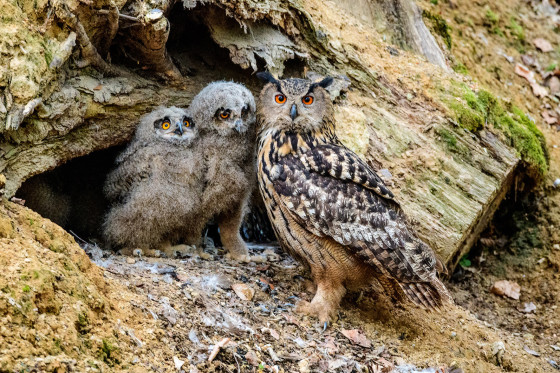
[130, 260]
[556, 183]
[385, 174]
[453, 334]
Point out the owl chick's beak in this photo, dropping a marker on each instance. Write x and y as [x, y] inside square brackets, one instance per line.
[238, 125]
[293, 112]
[179, 130]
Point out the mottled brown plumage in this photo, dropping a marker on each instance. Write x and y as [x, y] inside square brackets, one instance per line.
[329, 209]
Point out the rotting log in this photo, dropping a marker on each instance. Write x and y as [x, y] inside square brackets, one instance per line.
[55, 108]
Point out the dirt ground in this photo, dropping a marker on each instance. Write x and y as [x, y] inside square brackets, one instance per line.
[144, 314]
[59, 312]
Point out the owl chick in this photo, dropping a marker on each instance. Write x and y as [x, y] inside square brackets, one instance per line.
[225, 112]
[329, 209]
[156, 188]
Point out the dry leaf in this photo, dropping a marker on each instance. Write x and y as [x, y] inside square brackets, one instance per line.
[554, 84]
[291, 319]
[386, 366]
[357, 337]
[272, 332]
[252, 358]
[549, 119]
[539, 90]
[243, 291]
[524, 72]
[98, 87]
[330, 346]
[265, 281]
[543, 44]
[508, 288]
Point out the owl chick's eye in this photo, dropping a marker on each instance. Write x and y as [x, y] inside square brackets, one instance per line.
[307, 100]
[280, 99]
[165, 125]
[224, 114]
[186, 123]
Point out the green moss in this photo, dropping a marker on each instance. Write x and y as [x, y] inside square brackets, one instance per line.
[516, 36]
[82, 324]
[525, 137]
[440, 26]
[58, 345]
[450, 140]
[473, 111]
[26, 289]
[47, 51]
[516, 30]
[460, 68]
[107, 353]
[467, 117]
[491, 18]
[498, 31]
[552, 66]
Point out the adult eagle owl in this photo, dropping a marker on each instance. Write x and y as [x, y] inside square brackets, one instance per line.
[329, 209]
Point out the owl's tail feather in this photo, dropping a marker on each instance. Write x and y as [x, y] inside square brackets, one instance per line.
[430, 295]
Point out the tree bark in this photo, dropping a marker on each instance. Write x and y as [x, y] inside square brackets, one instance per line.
[62, 98]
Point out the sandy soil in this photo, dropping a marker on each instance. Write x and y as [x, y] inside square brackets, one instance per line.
[59, 312]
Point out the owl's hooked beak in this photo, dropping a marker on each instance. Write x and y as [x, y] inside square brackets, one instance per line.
[179, 130]
[293, 112]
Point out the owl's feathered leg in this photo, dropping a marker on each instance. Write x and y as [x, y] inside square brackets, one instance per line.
[325, 302]
[230, 223]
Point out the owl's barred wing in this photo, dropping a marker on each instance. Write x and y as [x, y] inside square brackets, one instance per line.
[373, 227]
[343, 164]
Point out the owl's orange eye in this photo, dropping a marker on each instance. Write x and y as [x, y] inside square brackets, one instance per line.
[186, 123]
[307, 100]
[280, 99]
[165, 125]
[224, 115]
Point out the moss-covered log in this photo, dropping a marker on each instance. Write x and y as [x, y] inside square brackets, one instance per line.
[75, 78]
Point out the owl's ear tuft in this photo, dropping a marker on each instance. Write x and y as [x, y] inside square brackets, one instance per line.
[266, 76]
[323, 83]
[326, 82]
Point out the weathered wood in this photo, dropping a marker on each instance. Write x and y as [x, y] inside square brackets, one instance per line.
[391, 117]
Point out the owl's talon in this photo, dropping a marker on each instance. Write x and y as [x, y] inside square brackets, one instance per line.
[325, 325]
[246, 258]
[205, 256]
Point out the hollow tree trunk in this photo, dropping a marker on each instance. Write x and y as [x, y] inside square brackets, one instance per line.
[62, 97]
